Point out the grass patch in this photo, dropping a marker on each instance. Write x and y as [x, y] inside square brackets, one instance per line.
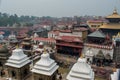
[98, 78]
[63, 70]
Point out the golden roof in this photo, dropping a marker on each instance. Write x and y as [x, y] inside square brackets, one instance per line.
[110, 26]
[114, 15]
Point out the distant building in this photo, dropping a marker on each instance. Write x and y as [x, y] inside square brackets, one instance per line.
[42, 32]
[94, 24]
[53, 34]
[71, 41]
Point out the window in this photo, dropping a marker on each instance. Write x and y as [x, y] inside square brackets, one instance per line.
[13, 73]
[1, 64]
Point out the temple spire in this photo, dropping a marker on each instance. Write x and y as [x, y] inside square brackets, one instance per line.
[115, 11]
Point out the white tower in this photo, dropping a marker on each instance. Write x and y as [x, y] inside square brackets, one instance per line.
[18, 65]
[45, 68]
[81, 71]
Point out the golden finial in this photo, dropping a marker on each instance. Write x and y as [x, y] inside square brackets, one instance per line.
[115, 11]
[82, 56]
[17, 46]
[45, 51]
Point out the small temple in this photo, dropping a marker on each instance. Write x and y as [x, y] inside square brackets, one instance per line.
[98, 49]
[26, 43]
[12, 39]
[45, 69]
[4, 54]
[81, 70]
[40, 48]
[18, 65]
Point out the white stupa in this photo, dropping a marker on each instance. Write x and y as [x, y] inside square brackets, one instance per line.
[1, 37]
[89, 55]
[81, 71]
[35, 35]
[115, 75]
[40, 47]
[18, 59]
[12, 38]
[45, 66]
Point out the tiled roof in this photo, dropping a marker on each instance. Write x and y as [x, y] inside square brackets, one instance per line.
[44, 39]
[55, 32]
[66, 31]
[97, 34]
[80, 29]
[70, 38]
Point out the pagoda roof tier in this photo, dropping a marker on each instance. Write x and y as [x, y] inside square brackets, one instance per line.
[97, 34]
[110, 26]
[18, 59]
[114, 15]
[27, 39]
[70, 45]
[45, 66]
[81, 71]
[70, 39]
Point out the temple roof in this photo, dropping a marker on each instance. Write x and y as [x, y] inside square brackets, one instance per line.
[3, 49]
[45, 66]
[18, 59]
[69, 38]
[97, 33]
[81, 71]
[114, 14]
[41, 43]
[110, 26]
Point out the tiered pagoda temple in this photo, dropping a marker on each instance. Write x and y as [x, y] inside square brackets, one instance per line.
[26, 43]
[18, 65]
[12, 40]
[81, 71]
[45, 69]
[113, 26]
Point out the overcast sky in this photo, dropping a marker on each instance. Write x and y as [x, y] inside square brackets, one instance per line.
[59, 8]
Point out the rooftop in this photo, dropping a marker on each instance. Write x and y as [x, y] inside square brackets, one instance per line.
[114, 14]
[97, 33]
[110, 26]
